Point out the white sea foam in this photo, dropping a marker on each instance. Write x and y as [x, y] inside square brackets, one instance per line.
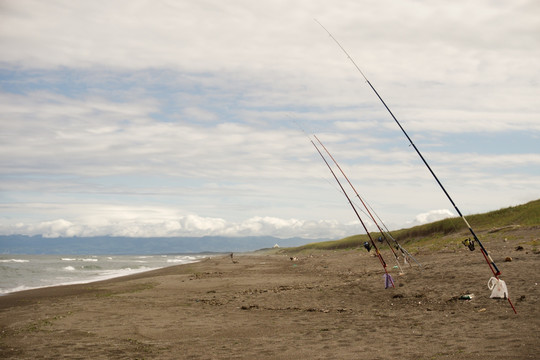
[81, 259]
[176, 260]
[15, 289]
[39, 271]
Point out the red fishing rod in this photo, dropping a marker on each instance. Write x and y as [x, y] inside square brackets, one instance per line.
[494, 269]
[405, 253]
[383, 263]
[361, 200]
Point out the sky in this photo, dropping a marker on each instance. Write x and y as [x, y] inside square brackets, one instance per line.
[189, 118]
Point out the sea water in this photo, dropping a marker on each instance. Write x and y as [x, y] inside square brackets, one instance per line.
[23, 272]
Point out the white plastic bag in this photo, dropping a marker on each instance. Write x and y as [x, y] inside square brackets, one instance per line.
[498, 288]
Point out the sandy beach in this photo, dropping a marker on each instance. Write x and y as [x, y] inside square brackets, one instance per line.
[320, 305]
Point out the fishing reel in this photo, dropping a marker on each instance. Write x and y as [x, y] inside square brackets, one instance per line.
[469, 243]
[367, 245]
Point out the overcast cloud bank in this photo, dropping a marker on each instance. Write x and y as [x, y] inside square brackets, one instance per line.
[173, 118]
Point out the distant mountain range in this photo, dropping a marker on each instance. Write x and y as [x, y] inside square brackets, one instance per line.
[111, 245]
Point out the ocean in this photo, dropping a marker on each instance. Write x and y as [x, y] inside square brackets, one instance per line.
[23, 272]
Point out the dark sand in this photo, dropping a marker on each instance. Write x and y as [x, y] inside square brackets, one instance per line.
[327, 305]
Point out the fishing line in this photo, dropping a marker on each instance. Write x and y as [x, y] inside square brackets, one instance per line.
[323, 178]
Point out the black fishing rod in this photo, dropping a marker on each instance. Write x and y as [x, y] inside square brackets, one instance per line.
[383, 263]
[487, 257]
[361, 200]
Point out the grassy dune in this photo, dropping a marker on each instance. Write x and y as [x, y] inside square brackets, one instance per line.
[448, 233]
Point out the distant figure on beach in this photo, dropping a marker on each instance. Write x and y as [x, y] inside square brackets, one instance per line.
[231, 256]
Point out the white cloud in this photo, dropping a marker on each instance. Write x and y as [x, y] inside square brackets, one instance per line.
[55, 228]
[431, 216]
[97, 219]
[192, 106]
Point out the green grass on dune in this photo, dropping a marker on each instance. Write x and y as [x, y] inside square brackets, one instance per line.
[440, 234]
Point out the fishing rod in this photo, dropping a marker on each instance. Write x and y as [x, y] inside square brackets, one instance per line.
[401, 248]
[358, 195]
[494, 269]
[383, 263]
[406, 255]
[361, 200]
[404, 252]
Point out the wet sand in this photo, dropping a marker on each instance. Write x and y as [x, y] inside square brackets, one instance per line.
[321, 305]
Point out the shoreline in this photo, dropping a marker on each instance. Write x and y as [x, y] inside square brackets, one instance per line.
[327, 304]
[60, 290]
[105, 274]
[81, 282]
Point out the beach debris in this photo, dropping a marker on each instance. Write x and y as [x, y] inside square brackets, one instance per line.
[507, 227]
[482, 310]
[519, 248]
[508, 259]
[466, 297]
